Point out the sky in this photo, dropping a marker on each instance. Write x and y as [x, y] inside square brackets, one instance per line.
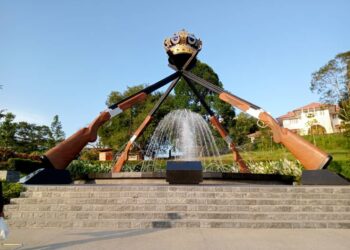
[65, 57]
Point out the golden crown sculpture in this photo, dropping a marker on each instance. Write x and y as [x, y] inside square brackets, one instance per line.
[181, 46]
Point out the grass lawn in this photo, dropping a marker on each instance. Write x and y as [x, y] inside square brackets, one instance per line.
[340, 154]
[339, 164]
[337, 154]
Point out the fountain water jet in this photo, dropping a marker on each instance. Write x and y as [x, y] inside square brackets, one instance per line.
[189, 138]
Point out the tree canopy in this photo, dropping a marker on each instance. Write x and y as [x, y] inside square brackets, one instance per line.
[185, 98]
[332, 83]
[58, 134]
[24, 137]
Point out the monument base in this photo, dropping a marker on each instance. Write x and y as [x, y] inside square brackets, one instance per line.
[184, 172]
[322, 177]
[47, 176]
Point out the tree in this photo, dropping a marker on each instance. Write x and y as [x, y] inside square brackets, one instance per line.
[32, 138]
[244, 125]
[8, 131]
[58, 134]
[2, 113]
[332, 83]
[185, 98]
[23, 137]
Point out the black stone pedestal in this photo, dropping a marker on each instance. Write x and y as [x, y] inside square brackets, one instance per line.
[47, 176]
[184, 172]
[322, 177]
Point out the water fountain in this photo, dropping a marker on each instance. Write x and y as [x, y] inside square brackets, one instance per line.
[186, 141]
[182, 135]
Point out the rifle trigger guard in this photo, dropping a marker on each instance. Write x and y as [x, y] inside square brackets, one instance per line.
[261, 124]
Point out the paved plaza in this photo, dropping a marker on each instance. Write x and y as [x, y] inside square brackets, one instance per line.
[178, 238]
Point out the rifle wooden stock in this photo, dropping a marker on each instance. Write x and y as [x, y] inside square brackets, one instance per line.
[311, 157]
[66, 151]
[308, 154]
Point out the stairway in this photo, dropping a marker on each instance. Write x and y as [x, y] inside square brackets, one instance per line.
[164, 206]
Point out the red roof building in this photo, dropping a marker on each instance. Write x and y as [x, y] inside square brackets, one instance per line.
[314, 118]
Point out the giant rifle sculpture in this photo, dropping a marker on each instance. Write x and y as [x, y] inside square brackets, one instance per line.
[182, 49]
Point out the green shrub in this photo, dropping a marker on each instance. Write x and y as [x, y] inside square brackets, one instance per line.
[330, 141]
[227, 166]
[341, 167]
[89, 155]
[346, 170]
[11, 190]
[80, 168]
[281, 167]
[335, 166]
[134, 166]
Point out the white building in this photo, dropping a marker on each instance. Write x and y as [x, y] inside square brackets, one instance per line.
[314, 118]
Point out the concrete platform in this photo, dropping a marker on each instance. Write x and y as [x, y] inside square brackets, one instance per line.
[208, 178]
[175, 238]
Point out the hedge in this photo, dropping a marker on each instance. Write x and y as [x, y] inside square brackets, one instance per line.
[11, 190]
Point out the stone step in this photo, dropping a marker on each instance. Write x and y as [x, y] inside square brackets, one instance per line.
[190, 194]
[179, 208]
[141, 223]
[154, 206]
[184, 188]
[175, 200]
[95, 215]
